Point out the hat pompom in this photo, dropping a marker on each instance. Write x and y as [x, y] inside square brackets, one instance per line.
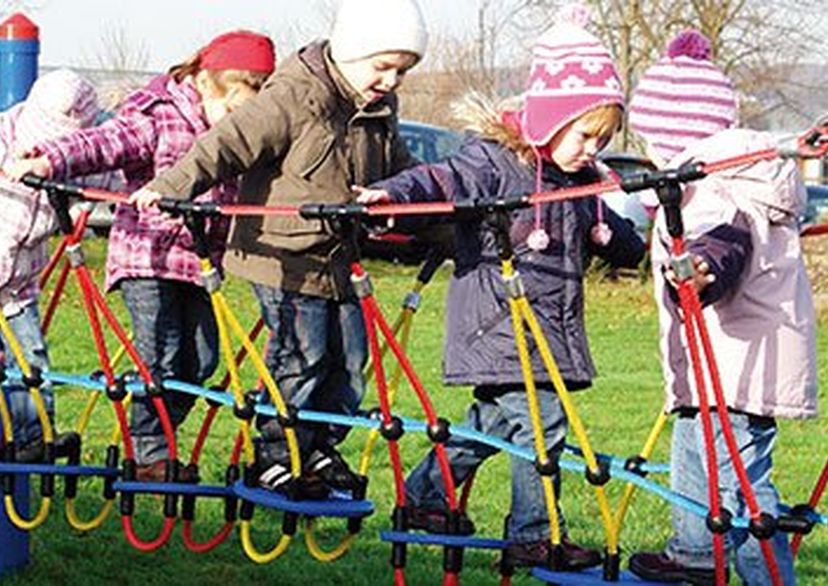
[576, 14]
[690, 43]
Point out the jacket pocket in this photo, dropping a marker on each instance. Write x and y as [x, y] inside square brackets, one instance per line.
[316, 156]
[292, 226]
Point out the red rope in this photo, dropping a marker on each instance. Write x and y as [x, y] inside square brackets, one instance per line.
[816, 495]
[209, 545]
[54, 299]
[147, 546]
[730, 439]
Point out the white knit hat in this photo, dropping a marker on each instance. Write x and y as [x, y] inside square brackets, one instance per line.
[59, 102]
[367, 27]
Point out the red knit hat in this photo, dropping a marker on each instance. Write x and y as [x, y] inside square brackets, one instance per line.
[240, 50]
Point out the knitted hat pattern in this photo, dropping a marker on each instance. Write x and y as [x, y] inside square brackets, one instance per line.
[571, 73]
[683, 98]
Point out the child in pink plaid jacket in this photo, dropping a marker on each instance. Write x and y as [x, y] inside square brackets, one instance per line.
[151, 256]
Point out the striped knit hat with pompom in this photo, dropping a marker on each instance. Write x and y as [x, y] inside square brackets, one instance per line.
[683, 98]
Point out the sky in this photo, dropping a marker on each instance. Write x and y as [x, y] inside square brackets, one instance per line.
[169, 31]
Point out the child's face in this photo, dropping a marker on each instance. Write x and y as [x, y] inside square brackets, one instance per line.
[375, 76]
[217, 105]
[575, 147]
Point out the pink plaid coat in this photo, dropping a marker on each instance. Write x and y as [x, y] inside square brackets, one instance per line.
[154, 127]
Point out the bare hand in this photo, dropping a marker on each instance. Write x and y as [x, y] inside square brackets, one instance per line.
[370, 196]
[700, 278]
[144, 199]
[39, 166]
[600, 234]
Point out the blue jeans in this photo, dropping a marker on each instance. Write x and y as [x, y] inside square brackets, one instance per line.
[502, 412]
[26, 328]
[176, 335]
[316, 354]
[692, 543]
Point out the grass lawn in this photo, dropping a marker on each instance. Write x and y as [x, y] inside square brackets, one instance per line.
[618, 413]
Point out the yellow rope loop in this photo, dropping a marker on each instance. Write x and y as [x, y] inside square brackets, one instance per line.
[572, 416]
[646, 452]
[535, 417]
[257, 556]
[316, 550]
[20, 522]
[270, 384]
[25, 367]
[5, 417]
[80, 525]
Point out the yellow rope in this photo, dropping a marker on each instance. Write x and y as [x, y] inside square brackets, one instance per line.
[20, 522]
[80, 525]
[534, 409]
[629, 490]
[574, 420]
[270, 385]
[253, 553]
[316, 550]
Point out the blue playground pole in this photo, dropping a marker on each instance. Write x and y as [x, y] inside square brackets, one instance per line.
[14, 543]
[19, 48]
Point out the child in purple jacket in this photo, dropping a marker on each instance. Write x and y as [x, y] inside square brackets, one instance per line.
[151, 258]
[573, 106]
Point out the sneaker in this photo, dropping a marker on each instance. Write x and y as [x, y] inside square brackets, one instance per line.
[436, 521]
[573, 557]
[332, 469]
[157, 472]
[277, 478]
[660, 568]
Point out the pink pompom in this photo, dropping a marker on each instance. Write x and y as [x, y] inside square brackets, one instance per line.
[576, 14]
[690, 43]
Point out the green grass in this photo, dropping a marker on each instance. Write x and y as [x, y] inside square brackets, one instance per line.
[618, 413]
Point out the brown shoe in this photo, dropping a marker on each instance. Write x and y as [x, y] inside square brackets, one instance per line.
[436, 521]
[572, 557]
[660, 568]
[156, 472]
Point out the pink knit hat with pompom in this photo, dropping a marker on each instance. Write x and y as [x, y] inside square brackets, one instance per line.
[683, 98]
[571, 74]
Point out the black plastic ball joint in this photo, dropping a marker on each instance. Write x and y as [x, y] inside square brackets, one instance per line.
[721, 523]
[763, 527]
[392, 430]
[440, 432]
[598, 477]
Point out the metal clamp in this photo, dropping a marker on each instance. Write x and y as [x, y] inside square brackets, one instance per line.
[74, 253]
[412, 301]
[514, 286]
[212, 280]
[362, 286]
[683, 267]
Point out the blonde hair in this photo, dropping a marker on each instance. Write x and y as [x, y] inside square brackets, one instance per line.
[479, 114]
[221, 80]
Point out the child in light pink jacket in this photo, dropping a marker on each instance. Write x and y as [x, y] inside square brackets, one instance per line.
[741, 227]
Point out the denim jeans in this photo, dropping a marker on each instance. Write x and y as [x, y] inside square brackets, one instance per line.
[692, 543]
[502, 412]
[176, 335]
[26, 328]
[316, 354]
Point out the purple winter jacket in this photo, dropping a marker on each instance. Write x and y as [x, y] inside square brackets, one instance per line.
[480, 347]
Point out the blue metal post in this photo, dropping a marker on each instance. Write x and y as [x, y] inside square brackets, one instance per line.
[19, 49]
[14, 543]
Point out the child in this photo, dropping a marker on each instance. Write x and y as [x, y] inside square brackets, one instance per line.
[151, 257]
[741, 228]
[551, 144]
[59, 102]
[325, 121]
